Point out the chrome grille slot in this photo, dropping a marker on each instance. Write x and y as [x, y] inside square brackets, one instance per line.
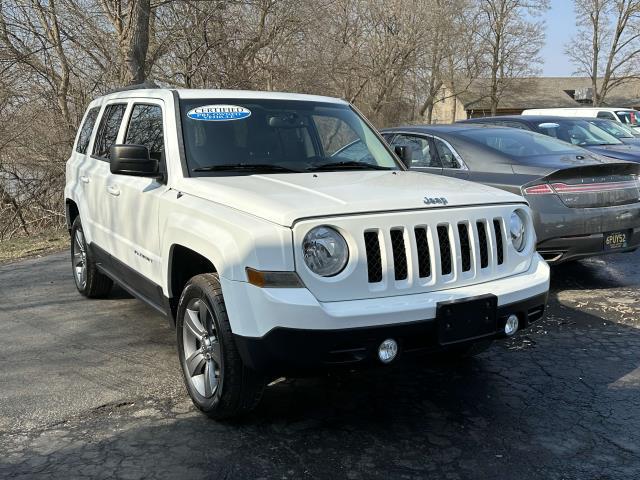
[424, 256]
[399, 254]
[374, 259]
[484, 246]
[445, 249]
[465, 246]
[497, 228]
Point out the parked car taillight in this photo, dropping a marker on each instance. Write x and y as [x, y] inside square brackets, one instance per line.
[543, 189]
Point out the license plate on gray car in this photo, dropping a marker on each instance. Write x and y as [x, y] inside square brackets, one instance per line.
[616, 240]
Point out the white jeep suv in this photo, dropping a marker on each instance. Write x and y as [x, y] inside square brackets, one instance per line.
[280, 235]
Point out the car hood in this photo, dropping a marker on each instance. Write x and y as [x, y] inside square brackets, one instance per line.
[621, 152]
[285, 198]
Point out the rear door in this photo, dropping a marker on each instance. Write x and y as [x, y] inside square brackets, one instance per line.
[134, 201]
[102, 219]
[423, 155]
[80, 165]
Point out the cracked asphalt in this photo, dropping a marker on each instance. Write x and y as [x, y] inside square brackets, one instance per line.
[92, 388]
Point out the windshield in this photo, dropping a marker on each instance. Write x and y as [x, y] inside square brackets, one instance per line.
[614, 128]
[629, 117]
[577, 132]
[520, 143]
[285, 136]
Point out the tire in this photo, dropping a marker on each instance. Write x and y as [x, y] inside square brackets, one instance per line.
[218, 382]
[90, 282]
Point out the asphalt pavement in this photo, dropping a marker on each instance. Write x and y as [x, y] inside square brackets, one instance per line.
[92, 388]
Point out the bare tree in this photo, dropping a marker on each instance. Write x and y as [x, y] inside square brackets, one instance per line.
[607, 45]
[449, 54]
[130, 20]
[512, 40]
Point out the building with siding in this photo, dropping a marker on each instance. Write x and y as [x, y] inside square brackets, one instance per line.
[534, 92]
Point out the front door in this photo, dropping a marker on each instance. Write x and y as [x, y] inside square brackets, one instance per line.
[135, 200]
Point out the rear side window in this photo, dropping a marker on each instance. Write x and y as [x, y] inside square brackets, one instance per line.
[607, 115]
[447, 157]
[145, 128]
[108, 131]
[86, 129]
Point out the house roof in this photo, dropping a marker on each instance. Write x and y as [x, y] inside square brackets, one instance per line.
[545, 92]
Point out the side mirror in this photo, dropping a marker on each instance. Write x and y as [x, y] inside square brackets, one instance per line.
[404, 153]
[133, 160]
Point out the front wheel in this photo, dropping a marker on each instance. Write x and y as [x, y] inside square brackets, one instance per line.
[218, 382]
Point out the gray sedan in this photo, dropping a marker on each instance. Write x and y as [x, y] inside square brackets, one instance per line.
[584, 204]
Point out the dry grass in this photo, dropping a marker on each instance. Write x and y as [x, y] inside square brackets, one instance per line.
[33, 246]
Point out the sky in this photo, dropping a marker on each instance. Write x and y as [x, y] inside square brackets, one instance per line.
[561, 27]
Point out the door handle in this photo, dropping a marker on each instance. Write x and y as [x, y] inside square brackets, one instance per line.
[113, 190]
[84, 179]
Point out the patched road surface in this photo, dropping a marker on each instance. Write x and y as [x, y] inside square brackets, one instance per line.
[92, 388]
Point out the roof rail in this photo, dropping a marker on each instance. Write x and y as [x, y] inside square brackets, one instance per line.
[138, 86]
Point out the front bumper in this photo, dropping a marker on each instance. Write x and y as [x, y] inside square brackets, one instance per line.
[290, 329]
[289, 351]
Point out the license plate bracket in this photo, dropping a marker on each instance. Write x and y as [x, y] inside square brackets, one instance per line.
[466, 319]
[616, 240]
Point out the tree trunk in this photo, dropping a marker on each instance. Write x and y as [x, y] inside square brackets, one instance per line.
[136, 43]
[595, 46]
[430, 113]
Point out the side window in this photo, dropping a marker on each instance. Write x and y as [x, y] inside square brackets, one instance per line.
[607, 115]
[108, 131]
[86, 129]
[421, 152]
[447, 157]
[145, 128]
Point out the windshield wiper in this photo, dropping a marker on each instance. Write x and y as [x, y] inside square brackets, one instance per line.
[245, 167]
[349, 164]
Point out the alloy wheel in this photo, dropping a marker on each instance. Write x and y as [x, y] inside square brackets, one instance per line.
[80, 259]
[202, 352]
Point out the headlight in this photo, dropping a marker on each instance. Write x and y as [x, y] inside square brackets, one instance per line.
[517, 230]
[325, 251]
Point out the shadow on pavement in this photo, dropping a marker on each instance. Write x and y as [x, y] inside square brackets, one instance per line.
[551, 403]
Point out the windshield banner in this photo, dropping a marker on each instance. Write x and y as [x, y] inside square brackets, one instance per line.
[219, 113]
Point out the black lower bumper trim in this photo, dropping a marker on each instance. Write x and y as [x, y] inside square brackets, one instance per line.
[289, 351]
[562, 249]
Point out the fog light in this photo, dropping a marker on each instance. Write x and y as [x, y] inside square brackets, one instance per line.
[388, 350]
[511, 326]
